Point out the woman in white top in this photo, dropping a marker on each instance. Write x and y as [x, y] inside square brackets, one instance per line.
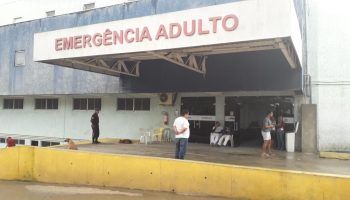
[266, 133]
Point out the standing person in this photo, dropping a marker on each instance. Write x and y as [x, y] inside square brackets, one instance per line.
[182, 133]
[95, 126]
[280, 133]
[266, 133]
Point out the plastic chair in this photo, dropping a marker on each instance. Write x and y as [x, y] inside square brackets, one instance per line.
[157, 134]
[145, 137]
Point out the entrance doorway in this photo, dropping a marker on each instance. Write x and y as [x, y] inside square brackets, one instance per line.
[246, 114]
[202, 117]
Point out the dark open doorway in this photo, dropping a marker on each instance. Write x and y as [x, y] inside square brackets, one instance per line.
[248, 113]
[202, 117]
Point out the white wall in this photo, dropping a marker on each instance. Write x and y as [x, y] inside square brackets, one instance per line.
[329, 61]
[66, 122]
[36, 9]
[28, 121]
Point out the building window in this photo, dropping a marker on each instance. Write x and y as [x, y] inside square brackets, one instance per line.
[125, 104]
[79, 104]
[48, 143]
[17, 19]
[89, 6]
[2, 140]
[142, 104]
[50, 13]
[54, 143]
[86, 104]
[20, 59]
[45, 143]
[133, 104]
[49, 104]
[13, 104]
[19, 142]
[34, 143]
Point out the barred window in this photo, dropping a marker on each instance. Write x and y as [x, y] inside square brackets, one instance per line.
[86, 103]
[13, 104]
[94, 103]
[34, 143]
[20, 142]
[80, 104]
[133, 104]
[48, 104]
[48, 143]
[142, 104]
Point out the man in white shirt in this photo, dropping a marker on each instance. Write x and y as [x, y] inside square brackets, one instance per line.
[182, 133]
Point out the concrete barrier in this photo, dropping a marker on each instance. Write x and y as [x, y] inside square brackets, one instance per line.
[16, 163]
[160, 174]
[335, 155]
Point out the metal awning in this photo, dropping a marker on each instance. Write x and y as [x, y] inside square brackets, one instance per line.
[278, 30]
[190, 58]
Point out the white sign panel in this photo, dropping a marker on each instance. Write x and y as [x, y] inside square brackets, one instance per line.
[220, 24]
[288, 120]
[201, 117]
[230, 118]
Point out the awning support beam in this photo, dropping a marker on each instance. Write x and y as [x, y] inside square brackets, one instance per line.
[188, 61]
[130, 68]
[288, 53]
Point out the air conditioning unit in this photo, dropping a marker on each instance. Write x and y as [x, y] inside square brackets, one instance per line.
[166, 99]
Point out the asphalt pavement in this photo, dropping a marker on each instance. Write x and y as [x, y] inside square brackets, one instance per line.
[14, 190]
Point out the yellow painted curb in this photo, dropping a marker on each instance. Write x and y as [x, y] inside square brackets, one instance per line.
[161, 174]
[335, 155]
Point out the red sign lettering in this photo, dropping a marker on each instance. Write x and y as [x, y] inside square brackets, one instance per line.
[192, 27]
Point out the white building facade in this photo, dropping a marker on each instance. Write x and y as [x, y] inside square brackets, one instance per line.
[328, 59]
[261, 67]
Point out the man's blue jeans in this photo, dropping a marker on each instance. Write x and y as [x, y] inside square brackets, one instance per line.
[181, 146]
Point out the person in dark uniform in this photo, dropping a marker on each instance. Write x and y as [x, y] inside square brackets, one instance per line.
[95, 126]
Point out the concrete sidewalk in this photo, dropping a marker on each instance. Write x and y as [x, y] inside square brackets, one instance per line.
[245, 156]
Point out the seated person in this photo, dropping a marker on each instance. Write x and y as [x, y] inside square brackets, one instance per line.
[225, 137]
[216, 133]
